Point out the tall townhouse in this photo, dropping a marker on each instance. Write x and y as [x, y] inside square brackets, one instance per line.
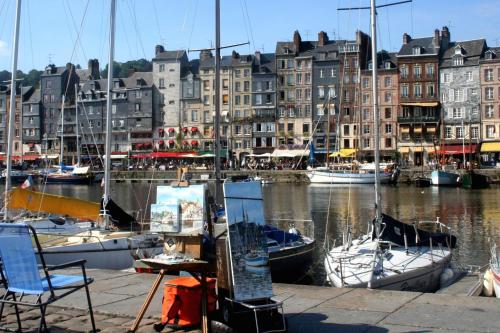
[354, 56]
[325, 101]
[303, 93]
[196, 121]
[32, 124]
[168, 67]
[54, 83]
[490, 94]
[240, 83]
[263, 106]
[22, 94]
[133, 115]
[419, 112]
[285, 88]
[388, 104]
[460, 92]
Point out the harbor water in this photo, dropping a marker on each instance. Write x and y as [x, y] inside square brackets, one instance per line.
[473, 215]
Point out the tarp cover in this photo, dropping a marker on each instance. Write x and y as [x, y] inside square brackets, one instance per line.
[120, 218]
[279, 235]
[394, 232]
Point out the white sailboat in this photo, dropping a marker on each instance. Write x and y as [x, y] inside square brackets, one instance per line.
[102, 247]
[392, 255]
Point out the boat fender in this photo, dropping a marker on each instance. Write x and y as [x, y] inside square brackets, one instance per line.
[446, 277]
[488, 284]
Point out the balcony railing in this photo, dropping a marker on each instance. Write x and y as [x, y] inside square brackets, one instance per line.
[418, 119]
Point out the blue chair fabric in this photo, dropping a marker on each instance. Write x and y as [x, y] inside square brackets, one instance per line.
[23, 276]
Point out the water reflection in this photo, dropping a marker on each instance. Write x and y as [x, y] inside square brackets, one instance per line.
[474, 215]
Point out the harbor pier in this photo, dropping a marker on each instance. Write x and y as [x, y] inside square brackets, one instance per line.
[118, 295]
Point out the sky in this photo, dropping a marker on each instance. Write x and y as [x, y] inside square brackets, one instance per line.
[62, 31]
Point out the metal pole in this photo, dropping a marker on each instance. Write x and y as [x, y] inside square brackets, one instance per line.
[62, 132]
[77, 127]
[217, 105]
[463, 141]
[109, 100]
[12, 107]
[376, 117]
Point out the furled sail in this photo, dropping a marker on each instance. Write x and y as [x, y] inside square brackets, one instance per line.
[53, 204]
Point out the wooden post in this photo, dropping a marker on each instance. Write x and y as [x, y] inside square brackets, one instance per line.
[148, 300]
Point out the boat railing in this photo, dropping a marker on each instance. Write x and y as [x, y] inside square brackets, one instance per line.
[304, 226]
[52, 241]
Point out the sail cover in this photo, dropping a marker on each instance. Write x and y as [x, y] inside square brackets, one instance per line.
[394, 231]
[118, 217]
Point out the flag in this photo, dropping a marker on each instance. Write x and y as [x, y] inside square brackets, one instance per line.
[27, 183]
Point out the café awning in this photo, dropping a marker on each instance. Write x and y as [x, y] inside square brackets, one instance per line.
[290, 153]
[490, 147]
[456, 149]
[345, 152]
[420, 104]
[404, 150]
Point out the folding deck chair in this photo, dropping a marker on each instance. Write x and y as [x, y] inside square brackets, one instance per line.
[23, 278]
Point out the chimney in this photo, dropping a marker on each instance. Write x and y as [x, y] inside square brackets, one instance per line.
[445, 36]
[205, 55]
[322, 38]
[406, 38]
[235, 55]
[159, 49]
[437, 39]
[257, 57]
[70, 67]
[93, 69]
[131, 71]
[297, 40]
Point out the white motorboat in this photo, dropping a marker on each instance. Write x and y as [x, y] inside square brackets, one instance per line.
[345, 177]
[495, 270]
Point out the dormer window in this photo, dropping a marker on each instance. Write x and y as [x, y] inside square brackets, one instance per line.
[458, 61]
[116, 84]
[387, 65]
[370, 66]
[417, 50]
[458, 50]
[489, 55]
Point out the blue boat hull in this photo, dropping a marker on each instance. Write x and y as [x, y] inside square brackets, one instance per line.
[444, 178]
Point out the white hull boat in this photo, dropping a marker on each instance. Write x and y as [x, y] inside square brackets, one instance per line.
[444, 178]
[339, 177]
[495, 270]
[418, 269]
[104, 250]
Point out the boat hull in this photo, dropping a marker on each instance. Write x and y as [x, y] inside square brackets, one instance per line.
[116, 253]
[422, 182]
[73, 179]
[327, 177]
[300, 258]
[495, 270]
[444, 178]
[474, 180]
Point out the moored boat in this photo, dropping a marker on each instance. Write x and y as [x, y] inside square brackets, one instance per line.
[444, 178]
[345, 177]
[474, 180]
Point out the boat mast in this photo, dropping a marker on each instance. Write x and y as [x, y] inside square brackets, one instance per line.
[12, 109]
[217, 105]
[328, 130]
[77, 127]
[109, 100]
[376, 118]
[62, 132]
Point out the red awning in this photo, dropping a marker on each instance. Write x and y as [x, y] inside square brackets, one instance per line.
[194, 129]
[31, 157]
[141, 156]
[161, 142]
[31, 144]
[185, 143]
[139, 145]
[171, 142]
[184, 129]
[194, 143]
[171, 129]
[170, 154]
[160, 130]
[456, 149]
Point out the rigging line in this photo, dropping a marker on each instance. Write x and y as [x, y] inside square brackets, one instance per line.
[78, 41]
[121, 20]
[249, 25]
[192, 26]
[30, 34]
[6, 15]
[103, 31]
[244, 22]
[136, 28]
[411, 21]
[388, 28]
[155, 10]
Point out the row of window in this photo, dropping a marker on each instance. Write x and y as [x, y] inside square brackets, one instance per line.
[448, 77]
[460, 133]
[488, 74]
[387, 82]
[417, 70]
[417, 90]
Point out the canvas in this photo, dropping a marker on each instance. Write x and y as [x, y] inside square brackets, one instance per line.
[251, 275]
[191, 200]
[165, 218]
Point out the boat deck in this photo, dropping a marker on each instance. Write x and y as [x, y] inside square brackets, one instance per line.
[117, 297]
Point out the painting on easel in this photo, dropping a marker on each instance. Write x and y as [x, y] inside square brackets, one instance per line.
[190, 201]
[251, 275]
[165, 218]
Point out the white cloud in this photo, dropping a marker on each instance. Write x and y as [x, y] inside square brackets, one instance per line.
[4, 49]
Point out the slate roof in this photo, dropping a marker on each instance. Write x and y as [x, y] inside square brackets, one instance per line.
[36, 97]
[282, 46]
[472, 51]
[170, 55]
[267, 63]
[426, 43]
[382, 57]
[129, 82]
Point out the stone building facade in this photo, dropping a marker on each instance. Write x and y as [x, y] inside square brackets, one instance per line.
[489, 71]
